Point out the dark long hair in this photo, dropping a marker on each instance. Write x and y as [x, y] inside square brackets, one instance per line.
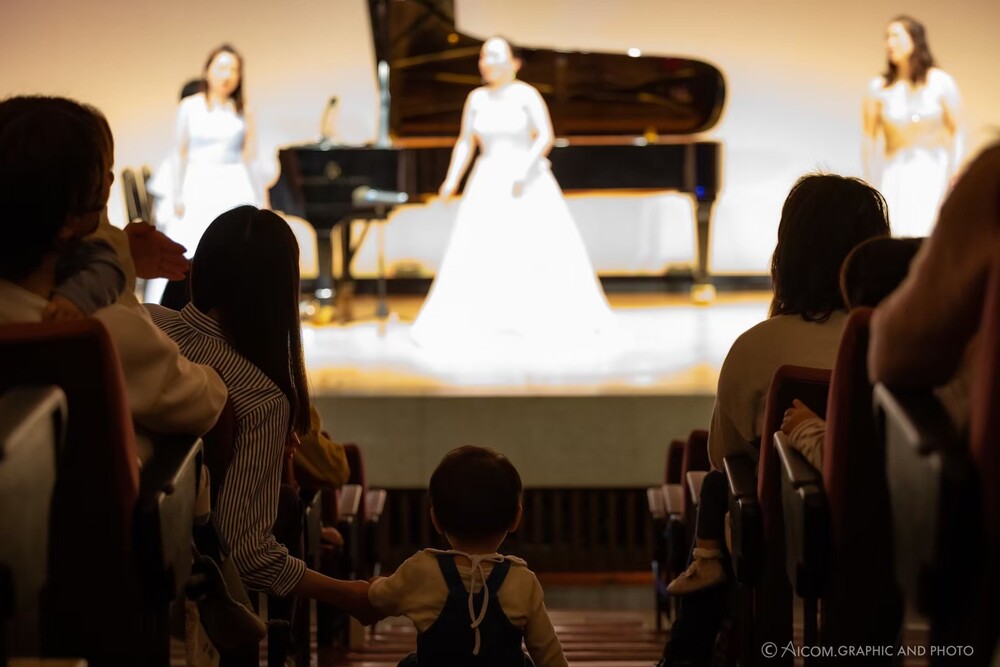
[823, 218]
[246, 269]
[921, 59]
[237, 96]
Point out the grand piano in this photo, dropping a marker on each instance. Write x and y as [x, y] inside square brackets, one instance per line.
[622, 122]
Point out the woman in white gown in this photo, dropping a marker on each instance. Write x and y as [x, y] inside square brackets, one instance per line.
[214, 147]
[912, 143]
[515, 269]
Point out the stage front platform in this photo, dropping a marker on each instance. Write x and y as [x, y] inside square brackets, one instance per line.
[600, 420]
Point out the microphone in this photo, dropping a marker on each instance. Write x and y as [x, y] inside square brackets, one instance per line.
[324, 137]
[364, 196]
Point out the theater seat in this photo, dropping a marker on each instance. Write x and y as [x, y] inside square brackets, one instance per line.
[114, 555]
[838, 530]
[32, 431]
[945, 495]
[764, 596]
[656, 500]
[680, 505]
[355, 511]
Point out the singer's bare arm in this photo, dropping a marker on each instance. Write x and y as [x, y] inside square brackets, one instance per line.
[461, 155]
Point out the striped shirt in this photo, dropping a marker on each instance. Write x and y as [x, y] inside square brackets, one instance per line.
[248, 501]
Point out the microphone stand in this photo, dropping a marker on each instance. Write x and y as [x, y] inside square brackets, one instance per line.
[324, 140]
[382, 307]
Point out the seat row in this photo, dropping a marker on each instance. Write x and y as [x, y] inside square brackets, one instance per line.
[900, 521]
[96, 545]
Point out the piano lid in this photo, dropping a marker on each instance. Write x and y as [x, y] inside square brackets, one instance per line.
[433, 67]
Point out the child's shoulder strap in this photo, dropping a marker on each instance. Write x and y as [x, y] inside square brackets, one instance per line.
[446, 562]
[498, 575]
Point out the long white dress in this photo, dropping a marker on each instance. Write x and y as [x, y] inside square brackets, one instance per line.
[216, 179]
[516, 269]
[918, 153]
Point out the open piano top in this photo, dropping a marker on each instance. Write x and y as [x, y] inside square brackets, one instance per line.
[433, 67]
[621, 122]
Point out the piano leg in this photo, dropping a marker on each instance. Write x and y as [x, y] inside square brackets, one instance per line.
[704, 216]
[337, 292]
[324, 281]
[703, 291]
[344, 290]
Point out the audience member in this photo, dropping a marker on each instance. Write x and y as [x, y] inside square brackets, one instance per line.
[243, 321]
[475, 501]
[53, 190]
[321, 460]
[871, 272]
[823, 218]
[88, 273]
[103, 267]
[470, 604]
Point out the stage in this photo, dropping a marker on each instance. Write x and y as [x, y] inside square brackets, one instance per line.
[601, 418]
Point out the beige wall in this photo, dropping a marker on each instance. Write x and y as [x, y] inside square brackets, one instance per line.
[796, 71]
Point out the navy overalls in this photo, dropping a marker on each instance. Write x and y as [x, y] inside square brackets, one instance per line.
[450, 641]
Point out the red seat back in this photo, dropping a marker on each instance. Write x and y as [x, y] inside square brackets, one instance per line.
[862, 605]
[773, 597]
[695, 454]
[985, 450]
[675, 459]
[97, 479]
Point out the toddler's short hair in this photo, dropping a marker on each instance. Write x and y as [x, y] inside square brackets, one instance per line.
[875, 268]
[475, 493]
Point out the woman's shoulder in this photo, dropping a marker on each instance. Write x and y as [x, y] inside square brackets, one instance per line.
[777, 341]
[776, 334]
[747, 348]
[938, 78]
[524, 89]
[763, 331]
[876, 85]
[196, 101]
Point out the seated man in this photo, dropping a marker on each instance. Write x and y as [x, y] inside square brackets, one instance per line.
[54, 186]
